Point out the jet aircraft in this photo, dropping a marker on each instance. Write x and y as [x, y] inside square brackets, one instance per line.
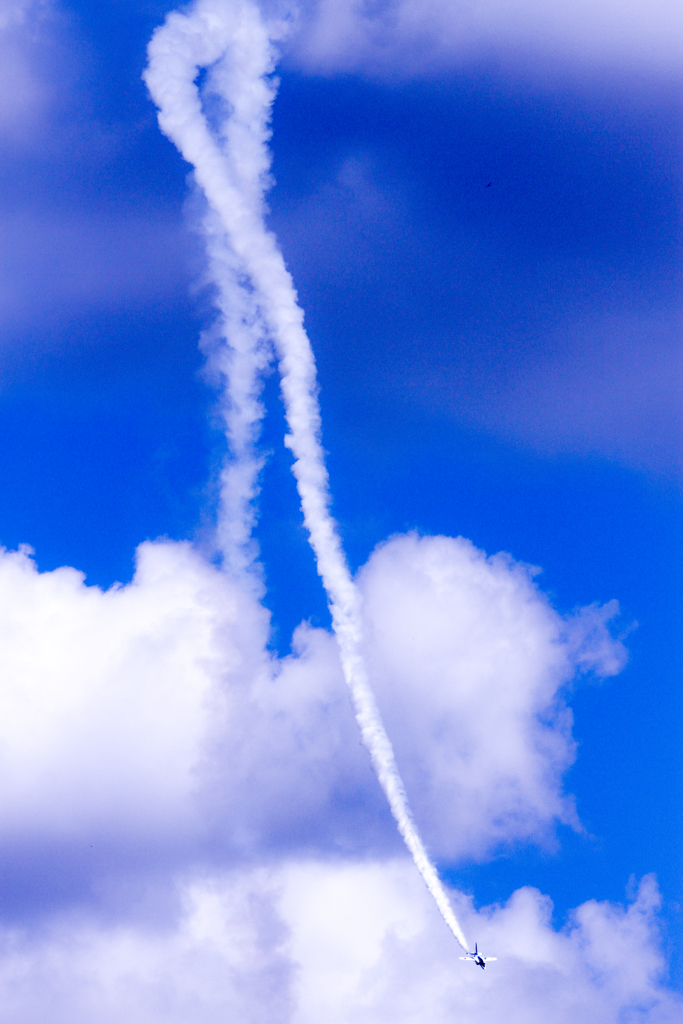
[479, 960]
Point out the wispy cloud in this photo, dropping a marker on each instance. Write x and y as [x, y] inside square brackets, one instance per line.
[28, 38]
[411, 38]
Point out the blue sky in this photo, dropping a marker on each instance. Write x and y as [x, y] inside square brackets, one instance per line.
[481, 216]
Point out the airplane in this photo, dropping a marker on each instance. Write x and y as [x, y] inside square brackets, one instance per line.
[479, 960]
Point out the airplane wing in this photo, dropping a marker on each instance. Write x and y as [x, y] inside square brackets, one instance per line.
[487, 958]
[465, 958]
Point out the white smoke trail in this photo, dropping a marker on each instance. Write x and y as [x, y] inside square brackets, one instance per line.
[239, 368]
[226, 143]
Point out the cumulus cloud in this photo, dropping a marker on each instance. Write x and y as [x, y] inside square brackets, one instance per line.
[469, 662]
[380, 955]
[103, 695]
[310, 941]
[221, 955]
[154, 717]
[398, 38]
[216, 839]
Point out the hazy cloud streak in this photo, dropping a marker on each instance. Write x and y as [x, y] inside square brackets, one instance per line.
[414, 38]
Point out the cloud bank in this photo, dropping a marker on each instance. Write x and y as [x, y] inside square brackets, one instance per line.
[154, 714]
[310, 941]
[220, 808]
[191, 829]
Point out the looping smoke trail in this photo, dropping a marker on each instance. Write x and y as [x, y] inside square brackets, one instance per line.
[226, 141]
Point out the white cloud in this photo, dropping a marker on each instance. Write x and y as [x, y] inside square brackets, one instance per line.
[220, 955]
[152, 723]
[104, 694]
[340, 942]
[154, 714]
[398, 38]
[469, 662]
[153, 717]
[387, 958]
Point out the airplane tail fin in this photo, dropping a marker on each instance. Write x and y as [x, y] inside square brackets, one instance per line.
[476, 951]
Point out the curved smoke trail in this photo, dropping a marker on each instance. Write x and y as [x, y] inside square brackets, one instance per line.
[223, 132]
